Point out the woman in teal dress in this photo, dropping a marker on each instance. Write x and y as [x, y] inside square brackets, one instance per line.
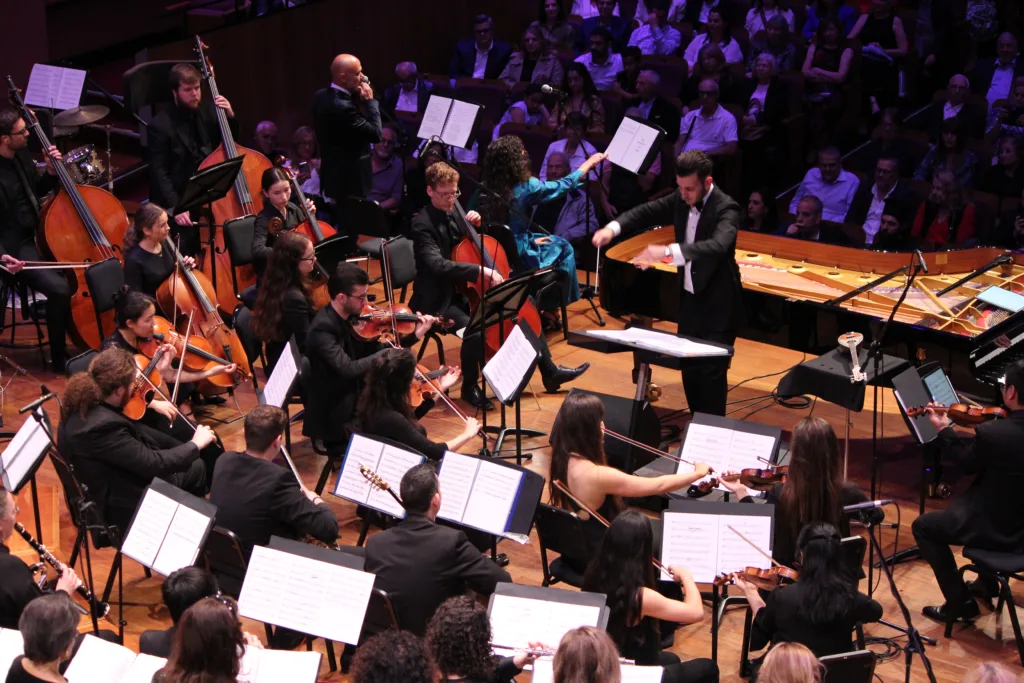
[507, 174]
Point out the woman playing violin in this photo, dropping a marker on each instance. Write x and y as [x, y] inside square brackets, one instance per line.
[277, 194]
[813, 491]
[146, 263]
[623, 569]
[821, 609]
[384, 408]
[284, 307]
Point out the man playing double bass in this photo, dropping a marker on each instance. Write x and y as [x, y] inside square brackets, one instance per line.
[21, 189]
[180, 138]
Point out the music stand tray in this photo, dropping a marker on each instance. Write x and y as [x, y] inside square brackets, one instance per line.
[209, 185]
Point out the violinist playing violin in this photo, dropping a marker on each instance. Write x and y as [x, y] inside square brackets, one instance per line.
[21, 189]
[436, 230]
[277, 191]
[990, 513]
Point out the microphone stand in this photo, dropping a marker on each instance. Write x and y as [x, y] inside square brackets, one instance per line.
[588, 291]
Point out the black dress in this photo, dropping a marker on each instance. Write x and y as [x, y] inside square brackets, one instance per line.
[642, 644]
[262, 240]
[880, 75]
[391, 424]
[296, 315]
[17, 673]
[145, 271]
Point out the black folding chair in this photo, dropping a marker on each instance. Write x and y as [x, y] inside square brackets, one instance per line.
[849, 667]
[401, 261]
[80, 363]
[563, 532]
[105, 280]
[238, 234]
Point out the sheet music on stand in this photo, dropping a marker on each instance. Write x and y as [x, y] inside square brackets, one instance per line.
[696, 535]
[11, 646]
[635, 145]
[100, 661]
[168, 529]
[279, 385]
[509, 370]
[387, 460]
[23, 454]
[544, 672]
[728, 445]
[658, 342]
[273, 666]
[522, 614]
[309, 589]
[54, 87]
[453, 121]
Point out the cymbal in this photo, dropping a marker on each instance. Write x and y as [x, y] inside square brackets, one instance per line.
[64, 131]
[80, 116]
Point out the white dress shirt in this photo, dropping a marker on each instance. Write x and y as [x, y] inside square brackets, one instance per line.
[755, 24]
[873, 222]
[603, 75]
[731, 50]
[408, 100]
[663, 40]
[835, 197]
[676, 12]
[588, 8]
[480, 67]
[707, 132]
[584, 151]
[1002, 78]
[949, 111]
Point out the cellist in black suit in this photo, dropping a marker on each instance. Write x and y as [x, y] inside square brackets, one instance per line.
[710, 292]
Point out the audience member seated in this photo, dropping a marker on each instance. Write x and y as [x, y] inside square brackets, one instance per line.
[993, 77]
[554, 26]
[884, 45]
[603, 64]
[764, 11]
[888, 141]
[305, 163]
[832, 185]
[822, 608]
[650, 106]
[573, 216]
[49, 629]
[893, 227]
[698, 12]
[529, 110]
[583, 98]
[990, 672]
[575, 148]
[710, 65]
[717, 34]
[1008, 119]
[535, 62]
[949, 153]
[182, 589]
[790, 663]
[826, 70]
[1005, 179]
[776, 42]
[806, 224]
[765, 102]
[607, 18]
[625, 80]
[459, 638]
[480, 56]
[1009, 230]
[386, 171]
[945, 218]
[590, 8]
[419, 563]
[393, 657]
[956, 106]
[265, 139]
[410, 93]
[819, 9]
[416, 180]
[208, 644]
[870, 202]
[657, 36]
[761, 215]
[587, 655]
[710, 127]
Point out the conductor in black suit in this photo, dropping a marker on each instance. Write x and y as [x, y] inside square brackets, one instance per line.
[180, 138]
[420, 564]
[710, 292]
[990, 513]
[346, 118]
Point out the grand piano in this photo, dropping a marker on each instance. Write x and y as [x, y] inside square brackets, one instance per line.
[799, 280]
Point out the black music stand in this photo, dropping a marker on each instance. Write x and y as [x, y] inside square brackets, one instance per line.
[203, 189]
[497, 305]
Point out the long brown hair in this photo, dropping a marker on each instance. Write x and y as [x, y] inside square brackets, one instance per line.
[577, 433]
[506, 164]
[387, 386]
[587, 655]
[108, 372]
[145, 216]
[281, 275]
[811, 492]
[208, 646]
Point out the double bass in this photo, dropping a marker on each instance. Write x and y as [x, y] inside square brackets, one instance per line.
[239, 202]
[80, 224]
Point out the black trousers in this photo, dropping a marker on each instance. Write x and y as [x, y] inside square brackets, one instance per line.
[53, 285]
[700, 670]
[934, 538]
[707, 384]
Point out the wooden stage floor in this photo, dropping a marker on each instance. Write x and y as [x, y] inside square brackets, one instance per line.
[609, 374]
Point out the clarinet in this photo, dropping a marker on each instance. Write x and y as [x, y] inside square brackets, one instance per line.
[100, 609]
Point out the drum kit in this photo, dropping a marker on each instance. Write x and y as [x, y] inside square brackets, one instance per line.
[83, 163]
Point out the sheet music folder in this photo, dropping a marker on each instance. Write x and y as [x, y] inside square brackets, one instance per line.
[520, 614]
[390, 460]
[453, 121]
[493, 496]
[24, 453]
[654, 347]
[510, 369]
[54, 87]
[168, 529]
[278, 387]
[100, 661]
[727, 444]
[635, 145]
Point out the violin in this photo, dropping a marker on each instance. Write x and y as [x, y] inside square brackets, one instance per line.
[312, 228]
[425, 385]
[963, 414]
[759, 479]
[764, 579]
[392, 319]
[197, 355]
[143, 386]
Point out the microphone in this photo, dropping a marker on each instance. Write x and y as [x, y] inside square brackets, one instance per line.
[364, 79]
[36, 403]
[920, 259]
[548, 90]
[866, 506]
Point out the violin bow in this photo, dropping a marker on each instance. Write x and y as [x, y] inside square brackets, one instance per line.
[181, 361]
[756, 547]
[174, 287]
[649, 449]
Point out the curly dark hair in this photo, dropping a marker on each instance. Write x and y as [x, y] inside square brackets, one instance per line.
[390, 657]
[387, 385]
[282, 275]
[108, 372]
[506, 164]
[459, 637]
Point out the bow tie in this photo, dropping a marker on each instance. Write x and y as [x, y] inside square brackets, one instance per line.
[699, 205]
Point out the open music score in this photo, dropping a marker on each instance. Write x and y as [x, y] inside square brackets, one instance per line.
[544, 672]
[11, 646]
[634, 143]
[279, 384]
[24, 452]
[658, 342]
[54, 87]
[699, 538]
[308, 589]
[508, 370]
[524, 614]
[272, 666]
[727, 445]
[168, 529]
[100, 661]
[389, 462]
[453, 121]
[478, 493]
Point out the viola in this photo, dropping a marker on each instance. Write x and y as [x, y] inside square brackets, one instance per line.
[963, 414]
[143, 386]
[81, 223]
[312, 228]
[764, 579]
[197, 355]
[425, 384]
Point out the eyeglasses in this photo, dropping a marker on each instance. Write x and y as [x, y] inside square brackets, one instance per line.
[23, 131]
[449, 195]
[358, 297]
[311, 259]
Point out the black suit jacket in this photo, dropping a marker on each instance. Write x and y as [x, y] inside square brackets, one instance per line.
[464, 60]
[663, 114]
[257, 499]
[420, 564]
[345, 127]
[423, 89]
[970, 118]
[990, 513]
[436, 274]
[117, 459]
[17, 589]
[776, 103]
[175, 152]
[981, 77]
[716, 305]
[157, 643]
[861, 204]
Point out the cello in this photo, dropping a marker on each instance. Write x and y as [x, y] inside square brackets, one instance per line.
[80, 224]
[236, 204]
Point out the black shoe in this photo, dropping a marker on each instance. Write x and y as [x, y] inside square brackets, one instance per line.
[969, 610]
[982, 591]
[561, 375]
[474, 396]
